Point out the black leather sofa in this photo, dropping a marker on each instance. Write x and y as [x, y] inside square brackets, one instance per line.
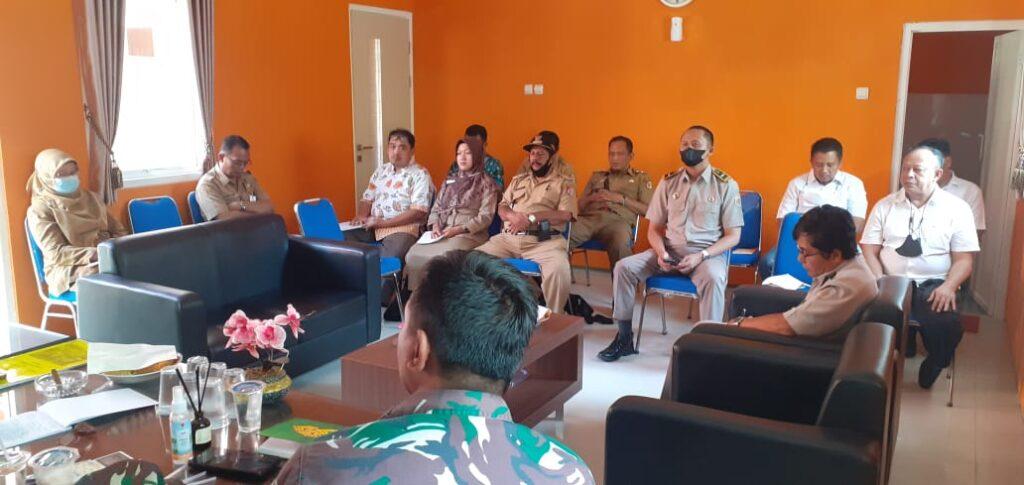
[891, 307]
[744, 411]
[178, 286]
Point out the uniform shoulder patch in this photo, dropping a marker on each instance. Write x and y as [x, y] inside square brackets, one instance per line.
[672, 175]
[720, 175]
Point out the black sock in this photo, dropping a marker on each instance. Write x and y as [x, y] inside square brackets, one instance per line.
[625, 328]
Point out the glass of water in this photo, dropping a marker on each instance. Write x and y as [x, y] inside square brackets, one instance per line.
[195, 362]
[231, 377]
[248, 397]
[168, 379]
[213, 402]
[217, 369]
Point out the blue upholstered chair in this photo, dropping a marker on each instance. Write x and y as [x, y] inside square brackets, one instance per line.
[747, 253]
[67, 300]
[317, 220]
[786, 261]
[153, 213]
[194, 210]
[592, 245]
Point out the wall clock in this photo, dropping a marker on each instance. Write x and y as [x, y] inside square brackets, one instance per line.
[676, 3]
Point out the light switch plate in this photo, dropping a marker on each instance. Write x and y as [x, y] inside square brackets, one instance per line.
[538, 89]
[528, 89]
[862, 93]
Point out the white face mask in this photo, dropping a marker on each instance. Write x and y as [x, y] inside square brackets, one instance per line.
[66, 185]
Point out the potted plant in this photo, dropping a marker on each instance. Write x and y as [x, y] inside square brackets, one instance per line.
[264, 340]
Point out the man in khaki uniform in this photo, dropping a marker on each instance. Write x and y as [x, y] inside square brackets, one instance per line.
[826, 239]
[695, 219]
[558, 163]
[532, 202]
[227, 190]
[611, 201]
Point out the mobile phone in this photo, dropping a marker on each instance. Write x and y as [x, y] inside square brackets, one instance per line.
[237, 465]
[671, 260]
[115, 457]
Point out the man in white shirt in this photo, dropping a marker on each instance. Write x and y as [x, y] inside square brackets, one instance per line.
[824, 184]
[928, 235]
[964, 189]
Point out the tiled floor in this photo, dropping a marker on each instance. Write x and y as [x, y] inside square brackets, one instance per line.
[979, 441]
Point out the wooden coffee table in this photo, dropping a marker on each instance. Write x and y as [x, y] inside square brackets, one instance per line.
[553, 362]
[143, 434]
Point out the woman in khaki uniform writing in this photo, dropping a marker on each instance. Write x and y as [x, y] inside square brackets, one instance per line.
[66, 221]
[463, 211]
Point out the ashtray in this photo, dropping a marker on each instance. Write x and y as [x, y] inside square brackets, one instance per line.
[71, 382]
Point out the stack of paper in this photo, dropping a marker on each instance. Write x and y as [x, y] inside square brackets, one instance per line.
[785, 281]
[125, 357]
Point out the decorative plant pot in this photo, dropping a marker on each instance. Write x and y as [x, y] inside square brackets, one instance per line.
[277, 381]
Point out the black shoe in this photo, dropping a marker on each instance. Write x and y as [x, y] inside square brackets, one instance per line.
[620, 347]
[911, 349]
[603, 320]
[392, 314]
[928, 373]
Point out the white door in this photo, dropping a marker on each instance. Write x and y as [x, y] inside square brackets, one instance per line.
[1002, 153]
[381, 56]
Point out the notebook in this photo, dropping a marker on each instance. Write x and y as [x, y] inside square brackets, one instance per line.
[56, 417]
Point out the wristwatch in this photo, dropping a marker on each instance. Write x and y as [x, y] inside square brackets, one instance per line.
[704, 254]
[532, 218]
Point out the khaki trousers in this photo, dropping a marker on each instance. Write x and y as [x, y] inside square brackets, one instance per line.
[552, 257]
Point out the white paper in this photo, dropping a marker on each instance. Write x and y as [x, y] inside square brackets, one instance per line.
[349, 225]
[72, 410]
[785, 281]
[543, 313]
[744, 251]
[279, 448]
[28, 427]
[105, 357]
[428, 238]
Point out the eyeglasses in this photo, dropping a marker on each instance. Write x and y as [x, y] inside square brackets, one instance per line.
[800, 253]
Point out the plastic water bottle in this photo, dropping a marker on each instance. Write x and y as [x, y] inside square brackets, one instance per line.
[181, 428]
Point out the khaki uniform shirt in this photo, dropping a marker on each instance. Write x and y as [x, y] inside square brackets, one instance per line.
[69, 244]
[215, 191]
[835, 301]
[553, 192]
[474, 215]
[631, 183]
[696, 212]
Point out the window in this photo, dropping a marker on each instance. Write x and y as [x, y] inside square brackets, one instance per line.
[160, 135]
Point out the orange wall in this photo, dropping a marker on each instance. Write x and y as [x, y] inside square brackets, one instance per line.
[952, 62]
[282, 80]
[768, 77]
[1014, 303]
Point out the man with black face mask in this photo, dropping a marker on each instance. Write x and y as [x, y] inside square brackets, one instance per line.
[928, 235]
[534, 209]
[695, 219]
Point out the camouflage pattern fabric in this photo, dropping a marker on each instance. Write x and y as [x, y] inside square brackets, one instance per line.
[439, 436]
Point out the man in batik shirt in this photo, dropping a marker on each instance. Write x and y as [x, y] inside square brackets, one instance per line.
[465, 333]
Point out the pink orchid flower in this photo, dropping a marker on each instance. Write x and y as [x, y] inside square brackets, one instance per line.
[292, 319]
[270, 335]
[251, 348]
[236, 321]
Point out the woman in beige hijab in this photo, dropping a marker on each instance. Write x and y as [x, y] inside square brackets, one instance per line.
[462, 213]
[66, 221]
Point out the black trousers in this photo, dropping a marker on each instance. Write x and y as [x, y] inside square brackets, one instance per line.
[940, 331]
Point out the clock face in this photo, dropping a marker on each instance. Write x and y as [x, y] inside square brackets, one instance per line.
[676, 3]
